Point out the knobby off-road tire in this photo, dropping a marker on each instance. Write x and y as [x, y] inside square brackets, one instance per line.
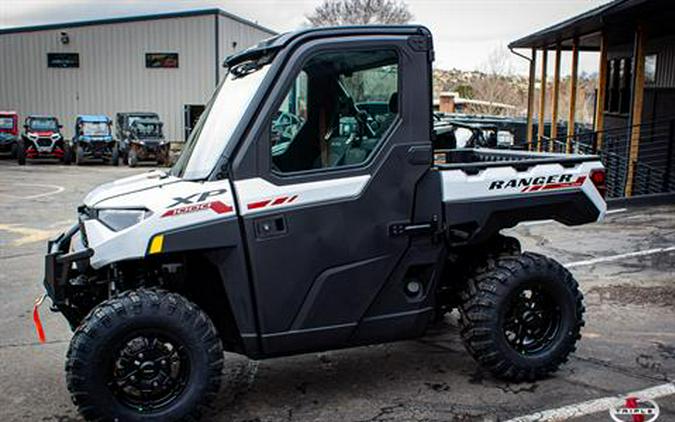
[496, 295]
[139, 338]
[21, 152]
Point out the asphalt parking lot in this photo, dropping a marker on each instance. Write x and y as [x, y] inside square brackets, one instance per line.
[626, 268]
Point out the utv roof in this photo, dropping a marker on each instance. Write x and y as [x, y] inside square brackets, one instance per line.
[40, 116]
[137, 113]
[280, 41]
[93, 118]
[10, 113]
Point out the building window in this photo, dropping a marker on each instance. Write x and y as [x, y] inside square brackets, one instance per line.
[618, 88]
[161, 60]
[63, 60]
[650, 69]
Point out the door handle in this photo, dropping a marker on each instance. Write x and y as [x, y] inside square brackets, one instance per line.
[270, 227]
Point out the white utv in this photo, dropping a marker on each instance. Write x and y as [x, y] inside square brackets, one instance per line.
[338, 228]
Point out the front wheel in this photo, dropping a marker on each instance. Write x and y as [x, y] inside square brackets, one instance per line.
[132, 158]
[115, 156]
[79, 155]
[521, 316]
[21, 152]
[144, 355]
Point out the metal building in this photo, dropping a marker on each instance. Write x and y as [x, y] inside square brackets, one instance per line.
[166, 63]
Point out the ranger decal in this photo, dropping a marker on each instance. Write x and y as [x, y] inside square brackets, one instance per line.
[533, 184]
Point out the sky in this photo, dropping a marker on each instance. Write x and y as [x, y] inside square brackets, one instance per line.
[466, 32]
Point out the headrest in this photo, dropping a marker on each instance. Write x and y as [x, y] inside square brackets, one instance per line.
[393, 103]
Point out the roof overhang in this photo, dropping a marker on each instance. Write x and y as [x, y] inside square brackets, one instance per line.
[588, 26]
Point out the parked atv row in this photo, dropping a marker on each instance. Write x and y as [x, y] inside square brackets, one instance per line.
[139, 138]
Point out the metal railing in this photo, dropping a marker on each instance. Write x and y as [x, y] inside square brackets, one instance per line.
[654, 169]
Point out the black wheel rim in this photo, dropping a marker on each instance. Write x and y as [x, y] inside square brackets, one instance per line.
[149, 371]
[532, 320]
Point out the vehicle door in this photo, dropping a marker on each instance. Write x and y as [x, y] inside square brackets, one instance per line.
[328, 184]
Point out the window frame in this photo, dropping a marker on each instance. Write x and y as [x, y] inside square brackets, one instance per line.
[300, 64]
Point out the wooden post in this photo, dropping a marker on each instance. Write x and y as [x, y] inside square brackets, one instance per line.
[573, 94]
[530, 98]
[636, 111]
[555, 98]
[542, 100]
[600, 98]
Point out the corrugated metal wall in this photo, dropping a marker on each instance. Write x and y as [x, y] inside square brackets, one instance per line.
[229, 32]
[664, 48]
[112, 76]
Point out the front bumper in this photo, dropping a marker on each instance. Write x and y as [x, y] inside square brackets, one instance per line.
[6, 143]
[61, 265]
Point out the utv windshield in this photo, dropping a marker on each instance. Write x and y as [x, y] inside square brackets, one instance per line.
[95, 129]
[6, 123]
[220, 118]
[147, 129]
[43, 124]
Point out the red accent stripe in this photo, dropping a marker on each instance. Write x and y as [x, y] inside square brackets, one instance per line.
[280, 200]
[259, 204]
[292, 198]
[220, 207]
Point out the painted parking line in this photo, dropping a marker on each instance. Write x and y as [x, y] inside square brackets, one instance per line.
[536, 223]
[54, 189]
[594, 406]
[619, 257]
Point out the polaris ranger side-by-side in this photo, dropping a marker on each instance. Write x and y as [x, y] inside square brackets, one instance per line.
[93, 140]
[42, 138]
[347, 230]
[141, 138]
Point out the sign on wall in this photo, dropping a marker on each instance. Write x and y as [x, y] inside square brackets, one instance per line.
[161, 60]
[63, 60]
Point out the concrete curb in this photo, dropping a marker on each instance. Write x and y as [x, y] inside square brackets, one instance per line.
[642, 200]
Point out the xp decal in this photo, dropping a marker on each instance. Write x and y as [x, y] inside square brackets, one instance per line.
[198, 204]
[201, 197]
[217, 206]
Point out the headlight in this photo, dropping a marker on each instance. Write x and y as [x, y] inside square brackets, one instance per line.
[32, 136]
[55, 136]
[117, 220]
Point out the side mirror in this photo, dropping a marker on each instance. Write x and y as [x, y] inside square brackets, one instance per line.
[60, 126]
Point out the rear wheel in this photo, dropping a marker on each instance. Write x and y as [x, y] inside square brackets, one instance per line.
[521, 316]
[13, 151]
[67, 154]
[21, 152]
[146, 354]
[115, 156]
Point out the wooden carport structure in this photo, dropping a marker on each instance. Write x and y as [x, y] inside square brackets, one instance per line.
[620, 27]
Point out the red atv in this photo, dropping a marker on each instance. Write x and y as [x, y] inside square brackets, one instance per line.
[42, 138]
[9, 131]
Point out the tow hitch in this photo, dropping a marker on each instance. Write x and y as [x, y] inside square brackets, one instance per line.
[36, 318]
